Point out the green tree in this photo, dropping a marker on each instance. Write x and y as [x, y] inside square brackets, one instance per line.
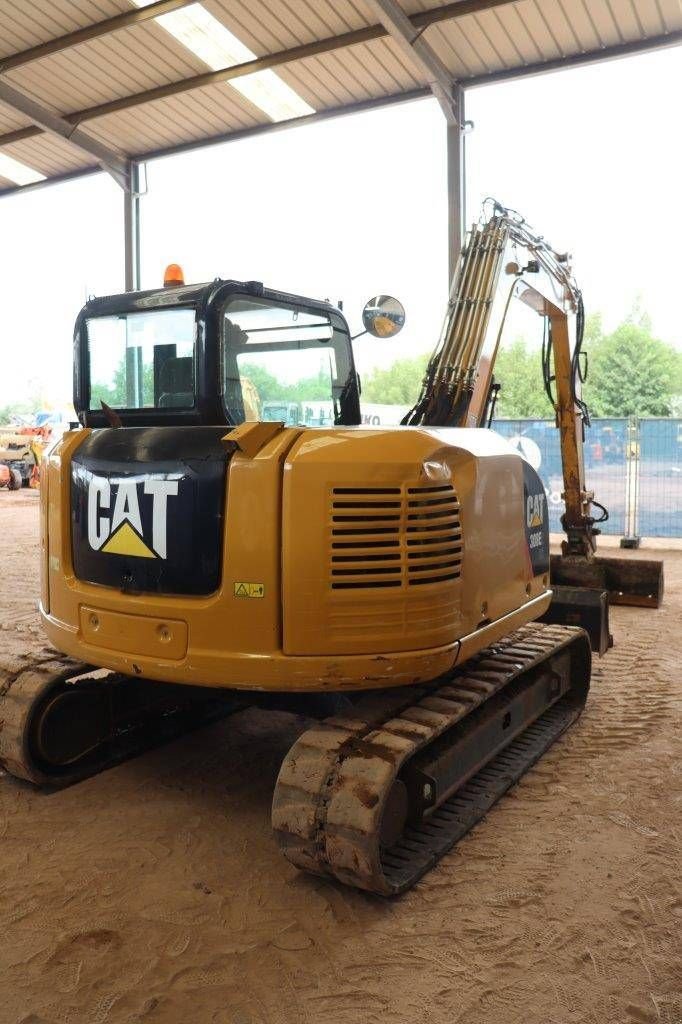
[518, 371]
[9, 413]
[114, 393]
[632, 373]
[593, 329]
[266, 384]
[311, 389]
[398, 384]
[269, 388]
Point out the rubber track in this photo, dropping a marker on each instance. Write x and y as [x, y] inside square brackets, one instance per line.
[334, 782]
[23, 689]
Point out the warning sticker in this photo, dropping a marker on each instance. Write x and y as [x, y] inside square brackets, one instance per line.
[249, 590]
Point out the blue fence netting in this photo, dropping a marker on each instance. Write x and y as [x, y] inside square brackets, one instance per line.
[633, 466]
[660, 478]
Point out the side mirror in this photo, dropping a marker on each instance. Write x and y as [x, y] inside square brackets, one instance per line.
[383, 316]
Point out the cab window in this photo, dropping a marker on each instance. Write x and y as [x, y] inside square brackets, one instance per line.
[283, 362]
[142, 360]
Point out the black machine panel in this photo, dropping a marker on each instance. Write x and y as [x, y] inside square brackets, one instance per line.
[147, 508]
[536, 520]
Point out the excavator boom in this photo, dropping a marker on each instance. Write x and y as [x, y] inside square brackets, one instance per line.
[503, 260]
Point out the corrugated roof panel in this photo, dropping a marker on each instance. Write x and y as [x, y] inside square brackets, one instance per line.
[605, 26]
[352, 74]
[49, 155]
[533, 39]
[455, 49]
[468, 35]
[623, 19]
[261, 36]
[402, 71]
[533, 14]
[649, 15]
[671, 13]
[175, 120]
[145, 56]
[332, 72]
[583, 26]
[10, 119]
[377, 68]
[314, 83]
[513, 35]
[109, 67]
[30, 22]
[267, 25]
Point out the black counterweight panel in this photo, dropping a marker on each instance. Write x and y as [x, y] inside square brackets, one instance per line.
[147, 508]
[535, 520]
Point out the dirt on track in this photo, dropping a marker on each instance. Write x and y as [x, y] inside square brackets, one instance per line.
[155, 892]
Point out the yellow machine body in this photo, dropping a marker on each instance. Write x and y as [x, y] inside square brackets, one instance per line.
[352, 558]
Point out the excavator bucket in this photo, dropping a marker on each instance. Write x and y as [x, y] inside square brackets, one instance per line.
[580, 606]
[631, 581]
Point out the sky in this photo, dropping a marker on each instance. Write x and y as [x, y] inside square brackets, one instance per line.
[347, 208]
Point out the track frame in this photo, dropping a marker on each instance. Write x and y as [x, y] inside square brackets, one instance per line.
[344, 801]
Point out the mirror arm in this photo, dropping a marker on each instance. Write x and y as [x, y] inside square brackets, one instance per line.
[354, 336]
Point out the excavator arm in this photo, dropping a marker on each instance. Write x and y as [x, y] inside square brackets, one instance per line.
[505, 261]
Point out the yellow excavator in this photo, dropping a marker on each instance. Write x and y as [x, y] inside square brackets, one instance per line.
[387, 582]
[21, 450]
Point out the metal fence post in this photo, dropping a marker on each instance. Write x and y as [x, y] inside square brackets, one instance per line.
[631, 537]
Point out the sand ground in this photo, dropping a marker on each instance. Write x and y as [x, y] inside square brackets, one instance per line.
[155, 892]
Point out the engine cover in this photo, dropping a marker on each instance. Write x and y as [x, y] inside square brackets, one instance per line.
[408, 538]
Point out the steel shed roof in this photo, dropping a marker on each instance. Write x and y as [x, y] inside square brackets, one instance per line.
[113, 70]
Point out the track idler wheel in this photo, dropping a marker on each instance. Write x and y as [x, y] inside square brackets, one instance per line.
[61, 720]
[38, 742]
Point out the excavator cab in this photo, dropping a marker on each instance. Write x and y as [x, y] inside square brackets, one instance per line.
[209, 354]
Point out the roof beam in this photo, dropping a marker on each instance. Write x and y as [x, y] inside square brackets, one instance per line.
[419, 20]
[457, 9]
[48, 120]
[589, 57]
[319, 117]
[420, 53]
[135, 16]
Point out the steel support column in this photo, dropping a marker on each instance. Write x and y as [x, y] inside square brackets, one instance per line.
[131, 228]
[456, 183]
[450, 96]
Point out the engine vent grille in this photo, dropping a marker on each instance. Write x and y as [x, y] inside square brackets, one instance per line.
[394, 537]
[365, 537]
[434, 535]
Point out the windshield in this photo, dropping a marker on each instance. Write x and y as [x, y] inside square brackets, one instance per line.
[142, 360]
[283, 362]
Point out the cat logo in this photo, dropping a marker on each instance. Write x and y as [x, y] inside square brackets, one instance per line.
[535, 510]
[115, 520]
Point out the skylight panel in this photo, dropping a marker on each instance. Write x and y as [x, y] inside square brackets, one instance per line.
[214, 44]
[20, 174]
